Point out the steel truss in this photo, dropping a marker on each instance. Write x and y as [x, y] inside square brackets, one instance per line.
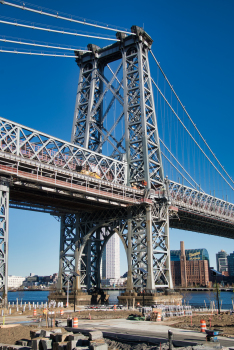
[197, 202]
[68, 246]
[30, 144]
[4, 221]
[84, 237]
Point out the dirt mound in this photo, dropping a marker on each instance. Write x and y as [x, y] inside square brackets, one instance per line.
[100, 314]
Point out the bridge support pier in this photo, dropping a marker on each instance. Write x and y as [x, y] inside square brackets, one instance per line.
[69, 262]
[4, 224]
[129, 256]
[168, 261]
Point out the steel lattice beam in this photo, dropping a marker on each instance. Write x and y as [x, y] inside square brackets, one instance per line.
[30, 144]
[4, 222]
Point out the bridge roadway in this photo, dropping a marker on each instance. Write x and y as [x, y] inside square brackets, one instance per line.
[51, 175]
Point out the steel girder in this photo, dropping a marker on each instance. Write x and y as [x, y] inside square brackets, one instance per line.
[4, 222]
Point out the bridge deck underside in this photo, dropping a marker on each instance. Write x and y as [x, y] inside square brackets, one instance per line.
[199, 223]
[39, 199]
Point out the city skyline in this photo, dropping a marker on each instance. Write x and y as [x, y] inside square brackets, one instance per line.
[196, 60]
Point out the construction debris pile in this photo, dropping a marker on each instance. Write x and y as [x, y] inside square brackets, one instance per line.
[57, 340]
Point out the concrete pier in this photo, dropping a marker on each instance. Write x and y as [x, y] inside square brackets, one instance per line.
[132, 298]
[81, 298]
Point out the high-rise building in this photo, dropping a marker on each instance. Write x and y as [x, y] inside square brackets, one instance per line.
[230, 259]
[222, 261]
[111, 259]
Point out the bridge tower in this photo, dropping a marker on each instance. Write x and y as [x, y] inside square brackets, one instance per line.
[132, 136]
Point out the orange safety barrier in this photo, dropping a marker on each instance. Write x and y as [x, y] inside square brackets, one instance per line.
[159, 316]
[75, 322]
[34, 312]
[114, 307]
[61, 312]
[203, 326]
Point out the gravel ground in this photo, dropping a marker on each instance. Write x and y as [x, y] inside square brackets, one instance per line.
[224, 322]
[84, 314]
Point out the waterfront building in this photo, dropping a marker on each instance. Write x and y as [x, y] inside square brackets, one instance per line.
[222, 262]
[15, 281]
[191, 254]
[113, 282]
[45, 281]
[110, 267]
[190, 267]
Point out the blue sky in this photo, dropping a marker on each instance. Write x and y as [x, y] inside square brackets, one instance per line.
[193, 41]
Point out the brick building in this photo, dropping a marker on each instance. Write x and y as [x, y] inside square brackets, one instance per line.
[190, 267]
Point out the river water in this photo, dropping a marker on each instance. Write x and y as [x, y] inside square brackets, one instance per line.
[196, 299]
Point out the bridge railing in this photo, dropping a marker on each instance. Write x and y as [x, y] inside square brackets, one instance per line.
[195, 200]
[34, 145]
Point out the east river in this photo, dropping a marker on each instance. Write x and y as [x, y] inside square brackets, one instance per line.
[196, 299]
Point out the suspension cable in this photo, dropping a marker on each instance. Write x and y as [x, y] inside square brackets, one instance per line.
[179, 164]
[36, 53]
[62, 17]
[21, 40]
[56, 31]
[190, 133]
[41, 45]
[177, 97]
[178, 170]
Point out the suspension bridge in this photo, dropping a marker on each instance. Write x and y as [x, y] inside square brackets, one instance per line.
[110, 178]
